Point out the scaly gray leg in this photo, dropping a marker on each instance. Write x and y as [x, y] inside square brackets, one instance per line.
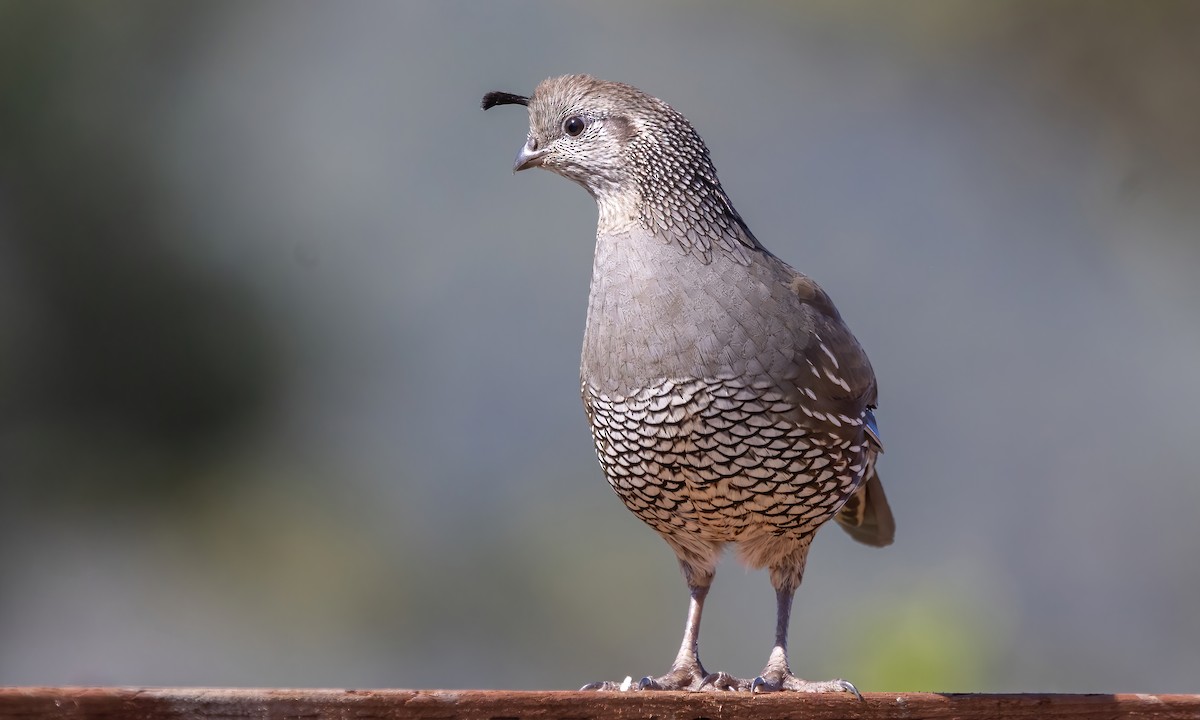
[777, 675]
[686, 672]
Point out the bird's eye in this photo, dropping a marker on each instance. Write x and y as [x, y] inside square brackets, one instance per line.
[574, 125]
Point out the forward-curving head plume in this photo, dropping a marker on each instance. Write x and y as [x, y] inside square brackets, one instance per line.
[496, 97]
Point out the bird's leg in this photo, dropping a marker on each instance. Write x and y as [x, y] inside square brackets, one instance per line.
[777, 675]
[686, 672]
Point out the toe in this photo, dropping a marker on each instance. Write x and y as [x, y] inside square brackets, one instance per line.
[720, 681]
[794, 684]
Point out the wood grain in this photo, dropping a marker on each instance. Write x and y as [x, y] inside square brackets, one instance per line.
[54, 703]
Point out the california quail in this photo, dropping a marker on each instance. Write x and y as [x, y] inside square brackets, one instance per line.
[728, 401]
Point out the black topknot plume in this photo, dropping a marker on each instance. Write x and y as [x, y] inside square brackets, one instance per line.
[496, 97]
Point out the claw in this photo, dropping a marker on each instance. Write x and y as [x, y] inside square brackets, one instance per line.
[758, 683]
[648, 683]
[848, 686]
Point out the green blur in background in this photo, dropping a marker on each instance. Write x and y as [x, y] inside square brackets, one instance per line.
[289, 360]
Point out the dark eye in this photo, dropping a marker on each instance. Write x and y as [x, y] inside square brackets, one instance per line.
[574, 125]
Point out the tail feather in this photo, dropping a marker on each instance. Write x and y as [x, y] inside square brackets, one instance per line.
[866, 515]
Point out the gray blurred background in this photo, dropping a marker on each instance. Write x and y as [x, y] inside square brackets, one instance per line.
[289, 359]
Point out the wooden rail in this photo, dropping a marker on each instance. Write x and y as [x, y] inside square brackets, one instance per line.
[46, 703]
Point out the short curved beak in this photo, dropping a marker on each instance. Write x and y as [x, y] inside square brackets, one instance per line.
[529, 156]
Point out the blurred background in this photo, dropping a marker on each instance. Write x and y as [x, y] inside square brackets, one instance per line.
[289, 359]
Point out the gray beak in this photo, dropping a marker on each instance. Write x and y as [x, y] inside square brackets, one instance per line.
[529, 156]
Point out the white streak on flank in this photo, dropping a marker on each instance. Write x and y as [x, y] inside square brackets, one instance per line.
[836, 364]
[838, 381]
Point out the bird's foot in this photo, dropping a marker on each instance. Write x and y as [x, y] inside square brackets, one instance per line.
[690, 676]
[695, 680]
[776, 680]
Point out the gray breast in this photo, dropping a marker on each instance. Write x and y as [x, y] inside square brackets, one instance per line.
[694, 380]
[656, 312]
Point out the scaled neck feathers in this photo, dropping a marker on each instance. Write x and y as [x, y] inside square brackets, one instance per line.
[674, 192]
